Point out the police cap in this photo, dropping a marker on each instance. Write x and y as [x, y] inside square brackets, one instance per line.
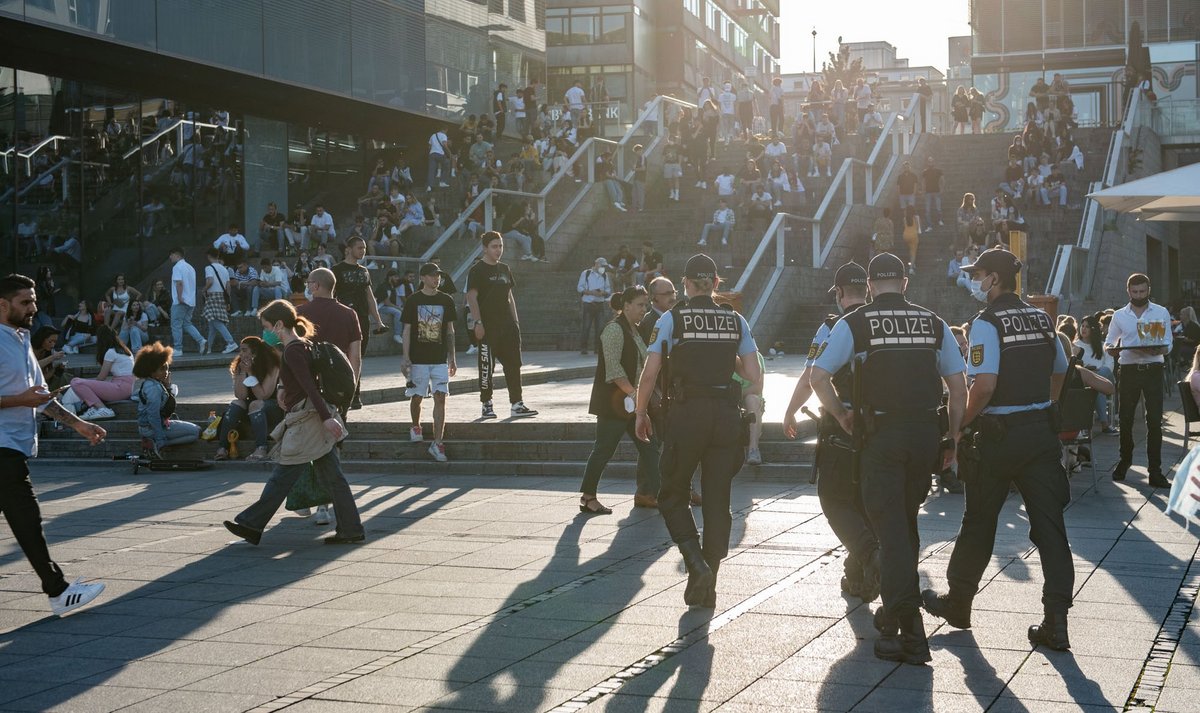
[996, 260]
[700, 267]
[885, 266]
[849, 274]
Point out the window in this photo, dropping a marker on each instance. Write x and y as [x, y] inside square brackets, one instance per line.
[496, 6]
[692, 6]
[516, 10]
[539, 14]
[587, 26]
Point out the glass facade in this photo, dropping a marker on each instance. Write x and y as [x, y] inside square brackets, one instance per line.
[371, 50]
[1013, 26]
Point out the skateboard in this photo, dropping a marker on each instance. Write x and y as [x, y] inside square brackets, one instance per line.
[163, 464]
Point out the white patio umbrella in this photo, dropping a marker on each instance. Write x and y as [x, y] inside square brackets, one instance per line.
[1171, 195]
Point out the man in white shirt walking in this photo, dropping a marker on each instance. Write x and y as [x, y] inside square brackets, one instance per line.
[595, 288]
[775, 105]
[728, 103]
[575, 97]
[439, 160]
[1139, 336]
[183, 302]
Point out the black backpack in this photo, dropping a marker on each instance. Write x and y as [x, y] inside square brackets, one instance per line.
[333, 373]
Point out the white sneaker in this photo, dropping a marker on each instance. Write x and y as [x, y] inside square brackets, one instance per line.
[754, 457]
[519, 410]
[230, 348]
[620, 207]
[443, 185]
[372, 266]
[704, 185]
[472, 349]
[98, 413]
[68, 349]
[303, 512]
[75, 596]
[415, 435]
[724, 241]
[699, 184]
[397, 339]
[438, 451]
[702, 242]
[322, 517]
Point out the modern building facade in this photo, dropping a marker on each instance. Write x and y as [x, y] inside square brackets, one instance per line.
[292, 98]
[648, 47]
[1016, 42]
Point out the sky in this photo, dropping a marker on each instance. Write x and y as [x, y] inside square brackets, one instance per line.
[917, 29]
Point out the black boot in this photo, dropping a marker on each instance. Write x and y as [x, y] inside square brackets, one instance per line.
[870, 577]
[852, 579]
[1051, 632]
[885, 624]
[700, 575]
[955, 610]
[909, 646]
[710, 597]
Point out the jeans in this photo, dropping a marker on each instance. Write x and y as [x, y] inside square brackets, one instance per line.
[1102, 400]
[81, 340]
[181, 315]
[20, 507]
[638, 198]
[328, 468]
[439, 169]
[239, 297]
[776, 113]
[274, 293]
[261, 422]
[393, 313]
[592, 320]
[180, 433]
[615, 193]
[907, 200]
[933, 201]
[134, 337]
[1061, 191]
[215, 328]
[274, 237]
[1142, 381]
[724, 227]
[1008, 189]
[521, 239]
[608, 436]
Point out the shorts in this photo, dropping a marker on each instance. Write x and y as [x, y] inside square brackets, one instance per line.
[672, 170]
[428, 379]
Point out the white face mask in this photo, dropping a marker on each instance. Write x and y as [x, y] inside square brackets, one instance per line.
[601, 270]
[977, 291]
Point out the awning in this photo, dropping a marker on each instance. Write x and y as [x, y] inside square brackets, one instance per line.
[1171, 195]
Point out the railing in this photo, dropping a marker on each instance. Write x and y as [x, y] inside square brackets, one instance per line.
[1176, 118]
[1074, 265]
[32, 151]
[566, 188]
[180, 140]
[773, 244]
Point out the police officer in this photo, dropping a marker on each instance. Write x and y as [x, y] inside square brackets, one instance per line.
[1018, 365]
[841, 499]
[907, 352]
[703, 425]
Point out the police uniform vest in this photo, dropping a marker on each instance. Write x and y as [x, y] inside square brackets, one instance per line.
[706, 343]
[1027, 351]
[601, 403]
[843, 380]
[901, 341]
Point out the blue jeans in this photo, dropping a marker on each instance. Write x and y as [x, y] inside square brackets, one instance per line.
[1102, 400]
[932, 201]
[393, 313]
[724, 227]
[215, 328]
[274, 293]
[329, 469]
[907, 200]
[181, 315]
[133, 337]
[439, 169]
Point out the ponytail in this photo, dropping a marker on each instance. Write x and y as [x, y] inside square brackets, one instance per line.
[283, 311]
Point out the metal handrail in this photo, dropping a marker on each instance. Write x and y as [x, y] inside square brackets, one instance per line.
[179, 123]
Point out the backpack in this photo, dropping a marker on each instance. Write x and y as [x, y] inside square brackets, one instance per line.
[333, 373]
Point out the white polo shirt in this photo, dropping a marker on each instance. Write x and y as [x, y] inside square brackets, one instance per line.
[1123, 331]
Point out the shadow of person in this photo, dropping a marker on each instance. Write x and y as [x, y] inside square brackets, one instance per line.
[552, 620]
[979, 675]
[693, 666]
[66, 658]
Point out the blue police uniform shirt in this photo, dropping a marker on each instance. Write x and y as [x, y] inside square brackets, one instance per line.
[814, 350]
[839, 351]
[666, 327]
[985, 338]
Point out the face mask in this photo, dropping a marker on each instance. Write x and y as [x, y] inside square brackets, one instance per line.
[1140, 303]
[977, 291]
[601, 270]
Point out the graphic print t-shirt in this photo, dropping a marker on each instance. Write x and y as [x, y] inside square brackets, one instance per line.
[353, 289]
[494, 283]
[429, 316]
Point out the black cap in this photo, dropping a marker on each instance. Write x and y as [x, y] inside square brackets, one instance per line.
[849, 274]
[885, 266]
[430, 269]
[700, 267]
[996, 260]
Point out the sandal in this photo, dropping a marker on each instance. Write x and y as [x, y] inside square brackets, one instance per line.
[586, 506]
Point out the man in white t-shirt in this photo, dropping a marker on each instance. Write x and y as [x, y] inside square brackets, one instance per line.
[183, 302]
[232, 245]
[728, 103]
[775, 105]
[707, 92]
[439, 161]
[776, 150]
[272, 281]
[320, 228]
[575, 97]
[725, 183]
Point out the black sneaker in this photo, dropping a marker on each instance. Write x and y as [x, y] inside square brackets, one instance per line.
[356, 404]
[520, 410]
[1120, 470]
[1158, 481]
[345, 539]
[246, 533]
[488, 411]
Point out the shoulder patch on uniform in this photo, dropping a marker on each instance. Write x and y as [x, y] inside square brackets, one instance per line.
[977, 355]
[654, 335]
[821, 350]
[812, 350]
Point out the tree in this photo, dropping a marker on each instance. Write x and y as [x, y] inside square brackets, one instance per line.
[841, 67]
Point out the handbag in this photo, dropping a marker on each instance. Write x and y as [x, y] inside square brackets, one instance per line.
[308, 492]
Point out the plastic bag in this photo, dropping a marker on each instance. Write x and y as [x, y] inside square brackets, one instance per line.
[210, 432]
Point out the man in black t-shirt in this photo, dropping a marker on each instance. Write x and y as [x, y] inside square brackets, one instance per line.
[489, 297]
[931, 178]
[906, 186]
[270, 229]
[429, 359]
[353, 289]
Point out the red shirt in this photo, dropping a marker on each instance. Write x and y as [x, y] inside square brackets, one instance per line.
[298, 381]
[335, 322]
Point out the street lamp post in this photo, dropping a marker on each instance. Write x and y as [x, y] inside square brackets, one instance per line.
[814, 34]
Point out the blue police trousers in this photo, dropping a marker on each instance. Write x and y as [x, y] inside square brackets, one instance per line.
[1029, 455]
[704, 432]
[897, 467]
[841, 502]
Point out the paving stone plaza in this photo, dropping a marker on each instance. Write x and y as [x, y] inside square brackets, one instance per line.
[492, 593]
